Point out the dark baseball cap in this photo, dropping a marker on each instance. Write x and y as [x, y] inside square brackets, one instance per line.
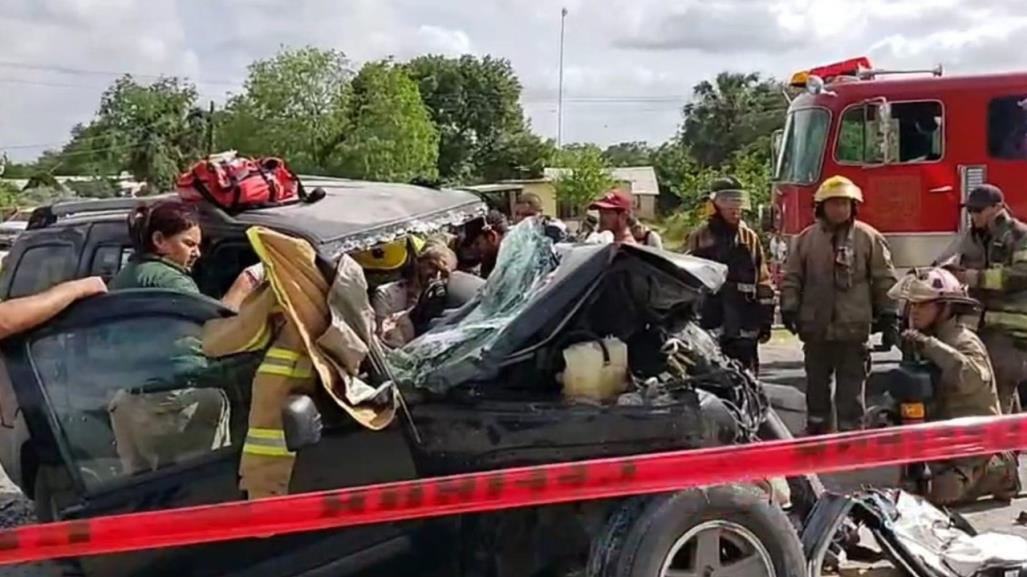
[494, 220]
[984, 196]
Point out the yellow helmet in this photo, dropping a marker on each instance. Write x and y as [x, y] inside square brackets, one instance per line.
[838, 187]
[390, 256]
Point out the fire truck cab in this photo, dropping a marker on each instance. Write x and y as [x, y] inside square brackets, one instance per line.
[915, 145]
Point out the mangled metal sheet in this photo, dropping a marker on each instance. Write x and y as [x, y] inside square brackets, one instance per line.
[915, 536]
[434, 360]
[534, 282]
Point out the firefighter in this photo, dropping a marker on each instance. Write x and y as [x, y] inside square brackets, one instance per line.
[992, 262]
[484, 236]
[833, 293]
[742, 313]
[964, 382]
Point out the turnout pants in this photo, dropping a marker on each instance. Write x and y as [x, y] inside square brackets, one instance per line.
[843, 408]
[745, 351]
[964, 481]
[266, 465]
[1010, 363]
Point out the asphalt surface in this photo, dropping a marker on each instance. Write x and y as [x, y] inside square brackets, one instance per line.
[781, 369]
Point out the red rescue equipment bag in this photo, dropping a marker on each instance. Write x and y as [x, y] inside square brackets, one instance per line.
[235, 183]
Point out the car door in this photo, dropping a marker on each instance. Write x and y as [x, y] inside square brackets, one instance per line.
[139, 420]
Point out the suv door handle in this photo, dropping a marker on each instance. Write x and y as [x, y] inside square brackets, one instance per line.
[946, 188]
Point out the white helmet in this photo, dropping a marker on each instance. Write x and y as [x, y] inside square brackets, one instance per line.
[928, 285]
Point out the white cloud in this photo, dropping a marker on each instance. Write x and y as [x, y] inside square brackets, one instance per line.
[629, 64]
[444, 40]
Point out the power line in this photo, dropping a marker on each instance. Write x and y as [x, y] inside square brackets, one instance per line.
[88, 72]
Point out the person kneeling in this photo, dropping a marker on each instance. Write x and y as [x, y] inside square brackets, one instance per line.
[964, 386]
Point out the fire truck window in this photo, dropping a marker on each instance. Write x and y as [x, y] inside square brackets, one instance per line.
[1007, 128]
[916, 129]
[802, 146]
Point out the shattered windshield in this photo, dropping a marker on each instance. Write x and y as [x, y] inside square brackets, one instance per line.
[802, 149]
[526, 260]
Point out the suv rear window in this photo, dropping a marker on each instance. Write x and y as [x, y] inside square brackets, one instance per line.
[42, 267]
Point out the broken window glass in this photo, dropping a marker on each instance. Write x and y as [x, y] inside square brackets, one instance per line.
[526, 259]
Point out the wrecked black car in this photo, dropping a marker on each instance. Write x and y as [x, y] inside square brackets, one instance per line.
[507, 378]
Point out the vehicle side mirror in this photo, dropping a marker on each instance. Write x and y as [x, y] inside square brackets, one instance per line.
[776, 138]
[766, 215]
[301, 422]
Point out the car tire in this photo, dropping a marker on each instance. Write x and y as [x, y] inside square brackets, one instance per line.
[729, 530]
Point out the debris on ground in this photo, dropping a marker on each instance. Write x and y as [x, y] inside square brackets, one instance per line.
[915, 536]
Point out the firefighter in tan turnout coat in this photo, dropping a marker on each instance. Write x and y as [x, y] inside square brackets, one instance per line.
[834, 292]
[965, 383]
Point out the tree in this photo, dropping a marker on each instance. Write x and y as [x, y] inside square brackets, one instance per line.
[629, 154]
[729, 113]
[517, 155]
[154, 131]
[95, 188]
[586, 179]
[475, 105]
[294, 105]
[390, 135]
[8, 195]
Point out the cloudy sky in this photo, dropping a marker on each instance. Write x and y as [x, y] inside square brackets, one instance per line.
[629, 64]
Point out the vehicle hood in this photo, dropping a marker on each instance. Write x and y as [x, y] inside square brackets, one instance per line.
[534, 288]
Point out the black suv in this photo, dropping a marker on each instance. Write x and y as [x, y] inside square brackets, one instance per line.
[501, 406]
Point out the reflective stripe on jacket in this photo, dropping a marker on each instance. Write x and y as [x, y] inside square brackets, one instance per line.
[837, 281]
[1000, 256]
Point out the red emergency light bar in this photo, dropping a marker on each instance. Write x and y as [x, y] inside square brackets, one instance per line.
[852, 67]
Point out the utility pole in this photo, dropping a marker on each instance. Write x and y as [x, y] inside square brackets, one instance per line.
[559, 105]
[210, 129]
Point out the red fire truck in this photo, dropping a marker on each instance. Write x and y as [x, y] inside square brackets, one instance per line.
[916, 145]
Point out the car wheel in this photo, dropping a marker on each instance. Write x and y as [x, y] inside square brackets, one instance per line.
[725, 531]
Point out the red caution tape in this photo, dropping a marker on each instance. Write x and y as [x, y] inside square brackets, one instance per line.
[510, 488]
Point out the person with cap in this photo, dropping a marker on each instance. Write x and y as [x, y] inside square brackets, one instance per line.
[615, 214]
[484, 236]
[528, 205]
[963, 378]
[643, 234]
[991, 260]
[742, 312]
[834, 294]
[588, 226]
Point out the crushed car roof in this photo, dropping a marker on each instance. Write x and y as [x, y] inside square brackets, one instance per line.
[352, 215]
[356, 214]
[527, 294]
